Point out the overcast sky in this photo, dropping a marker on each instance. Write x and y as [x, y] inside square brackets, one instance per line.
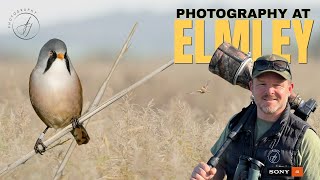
[57, 11]
[107, 23]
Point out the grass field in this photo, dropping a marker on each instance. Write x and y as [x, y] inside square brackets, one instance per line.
[156, 132]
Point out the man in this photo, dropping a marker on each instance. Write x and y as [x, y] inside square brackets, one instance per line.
[271, 134]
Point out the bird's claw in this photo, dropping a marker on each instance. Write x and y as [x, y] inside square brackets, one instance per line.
[37, 149]
[75, 123]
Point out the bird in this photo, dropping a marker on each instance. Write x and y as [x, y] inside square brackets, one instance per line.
[203, 89]
[56, 93]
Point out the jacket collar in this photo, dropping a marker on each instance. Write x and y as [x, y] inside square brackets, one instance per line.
[277, 127]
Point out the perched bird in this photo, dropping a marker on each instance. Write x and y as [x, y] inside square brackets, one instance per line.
[203, 89]
[56, 93]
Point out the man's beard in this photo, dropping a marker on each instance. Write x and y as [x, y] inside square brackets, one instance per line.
[271, 109]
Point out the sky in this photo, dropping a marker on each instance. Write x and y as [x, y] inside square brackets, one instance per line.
[65, 11]
[83, 21]
[75, 10]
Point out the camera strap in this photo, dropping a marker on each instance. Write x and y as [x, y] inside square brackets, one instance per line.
[245, 114]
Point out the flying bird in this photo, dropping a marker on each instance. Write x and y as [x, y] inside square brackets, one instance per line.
[203, 89]
[56, 93]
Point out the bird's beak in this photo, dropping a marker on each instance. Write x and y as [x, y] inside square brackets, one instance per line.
[60, 56]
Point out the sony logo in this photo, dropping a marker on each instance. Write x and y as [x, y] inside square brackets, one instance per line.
[279, 172]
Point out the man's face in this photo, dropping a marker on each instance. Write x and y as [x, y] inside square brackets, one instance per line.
[271, 92]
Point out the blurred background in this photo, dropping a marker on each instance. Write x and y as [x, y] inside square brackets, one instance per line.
[158, 131]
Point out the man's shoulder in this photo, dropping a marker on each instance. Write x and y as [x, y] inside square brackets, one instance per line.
[236, 117]
[310, 136]
[297, 128]
[309, 151]
[295, 117]
[298, 122]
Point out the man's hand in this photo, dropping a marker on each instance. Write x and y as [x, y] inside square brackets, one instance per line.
[202, 171]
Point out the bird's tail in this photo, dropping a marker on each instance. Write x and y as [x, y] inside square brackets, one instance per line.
[80, 134]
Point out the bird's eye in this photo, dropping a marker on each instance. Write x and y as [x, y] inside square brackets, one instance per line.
[51, 53]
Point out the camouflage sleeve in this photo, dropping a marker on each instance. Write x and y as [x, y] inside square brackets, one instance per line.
[309, 154]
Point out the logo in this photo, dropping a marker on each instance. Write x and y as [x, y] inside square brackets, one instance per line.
[24, 23]
[274, 156]
[286, 171]
[297, 171]
[279, 171]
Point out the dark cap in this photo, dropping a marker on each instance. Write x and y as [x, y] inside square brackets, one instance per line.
[285, 74]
